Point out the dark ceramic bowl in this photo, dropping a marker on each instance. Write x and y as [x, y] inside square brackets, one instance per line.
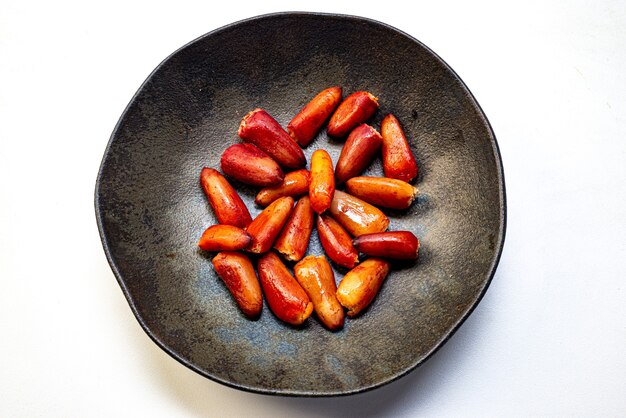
[151, 210]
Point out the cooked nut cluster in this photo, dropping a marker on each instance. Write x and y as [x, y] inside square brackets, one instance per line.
[272, 158]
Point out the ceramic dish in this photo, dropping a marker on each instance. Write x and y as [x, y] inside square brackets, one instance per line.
[151, 209]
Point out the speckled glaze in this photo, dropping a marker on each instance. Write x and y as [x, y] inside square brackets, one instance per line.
[151, 210]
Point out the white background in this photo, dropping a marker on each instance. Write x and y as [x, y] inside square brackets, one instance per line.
[548, 339]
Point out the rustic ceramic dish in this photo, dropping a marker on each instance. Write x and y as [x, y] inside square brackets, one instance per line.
[151, 210]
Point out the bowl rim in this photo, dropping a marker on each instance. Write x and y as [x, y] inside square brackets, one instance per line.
[287, 392]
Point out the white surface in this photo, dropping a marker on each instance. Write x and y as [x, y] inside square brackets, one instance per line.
[549, 338]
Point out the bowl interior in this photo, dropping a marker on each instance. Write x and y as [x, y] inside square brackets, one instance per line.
[151, 209]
